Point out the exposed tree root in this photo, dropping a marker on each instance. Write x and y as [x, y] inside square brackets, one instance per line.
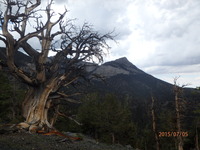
[25, 127]
[63, 135]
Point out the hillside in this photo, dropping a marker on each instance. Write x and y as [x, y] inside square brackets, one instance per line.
[134, 88]
[124, 78]
[120, 76]
[27, 141]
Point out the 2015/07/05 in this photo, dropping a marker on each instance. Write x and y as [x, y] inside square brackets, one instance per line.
[172, 134]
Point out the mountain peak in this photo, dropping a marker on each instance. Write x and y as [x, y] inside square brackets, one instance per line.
[118, 66]
[123, 61]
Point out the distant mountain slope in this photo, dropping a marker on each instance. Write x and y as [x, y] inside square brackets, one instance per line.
[20, 58]
[124, 78]
[120, 77]
[119, 66]
[132, 86]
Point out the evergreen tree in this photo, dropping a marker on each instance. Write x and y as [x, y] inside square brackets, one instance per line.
[10, 98]
[107, 119]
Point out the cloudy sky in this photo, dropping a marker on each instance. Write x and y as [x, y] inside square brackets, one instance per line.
[161, 37]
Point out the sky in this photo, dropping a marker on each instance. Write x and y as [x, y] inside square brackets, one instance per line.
[161, 37]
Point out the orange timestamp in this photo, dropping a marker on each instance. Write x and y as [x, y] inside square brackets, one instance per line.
[172, 134]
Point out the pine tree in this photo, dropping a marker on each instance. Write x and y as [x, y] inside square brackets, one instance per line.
[107, 119]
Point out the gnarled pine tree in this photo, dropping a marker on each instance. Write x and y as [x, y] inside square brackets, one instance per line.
[71, 44]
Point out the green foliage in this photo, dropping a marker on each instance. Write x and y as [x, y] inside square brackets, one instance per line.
[64, 124]
[10, 99]
[106, 119]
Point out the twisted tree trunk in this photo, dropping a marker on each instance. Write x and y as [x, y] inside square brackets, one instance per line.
[36, 105]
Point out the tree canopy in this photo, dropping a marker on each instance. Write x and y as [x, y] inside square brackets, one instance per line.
[107, 119]
[24, 24]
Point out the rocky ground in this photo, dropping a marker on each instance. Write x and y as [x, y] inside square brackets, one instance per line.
[28, 141]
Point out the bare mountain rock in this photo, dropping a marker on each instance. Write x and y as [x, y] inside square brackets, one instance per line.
[119, 66]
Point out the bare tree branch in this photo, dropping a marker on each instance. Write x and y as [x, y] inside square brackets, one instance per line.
[69, 117]
[73, 46]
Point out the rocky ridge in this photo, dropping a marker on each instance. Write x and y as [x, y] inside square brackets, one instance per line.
[118, 66]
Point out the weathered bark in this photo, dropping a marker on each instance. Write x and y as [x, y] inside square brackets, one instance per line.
[178, 91]
[196, 139]
[35, 106]
[154, 125]
[178, 122]
[55, 116]
[113, 138]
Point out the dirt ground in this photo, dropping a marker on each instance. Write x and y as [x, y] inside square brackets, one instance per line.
[28, 141]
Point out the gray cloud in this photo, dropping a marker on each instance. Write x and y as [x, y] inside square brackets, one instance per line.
[176, 32]
[173, 69]
[173, 26]
[162, 33]
[61, 2]
[177, 50]
[174, 18]
[105, 16]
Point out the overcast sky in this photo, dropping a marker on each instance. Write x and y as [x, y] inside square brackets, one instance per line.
[161, 37]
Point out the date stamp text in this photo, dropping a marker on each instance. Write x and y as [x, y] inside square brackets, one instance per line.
[172, 134]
